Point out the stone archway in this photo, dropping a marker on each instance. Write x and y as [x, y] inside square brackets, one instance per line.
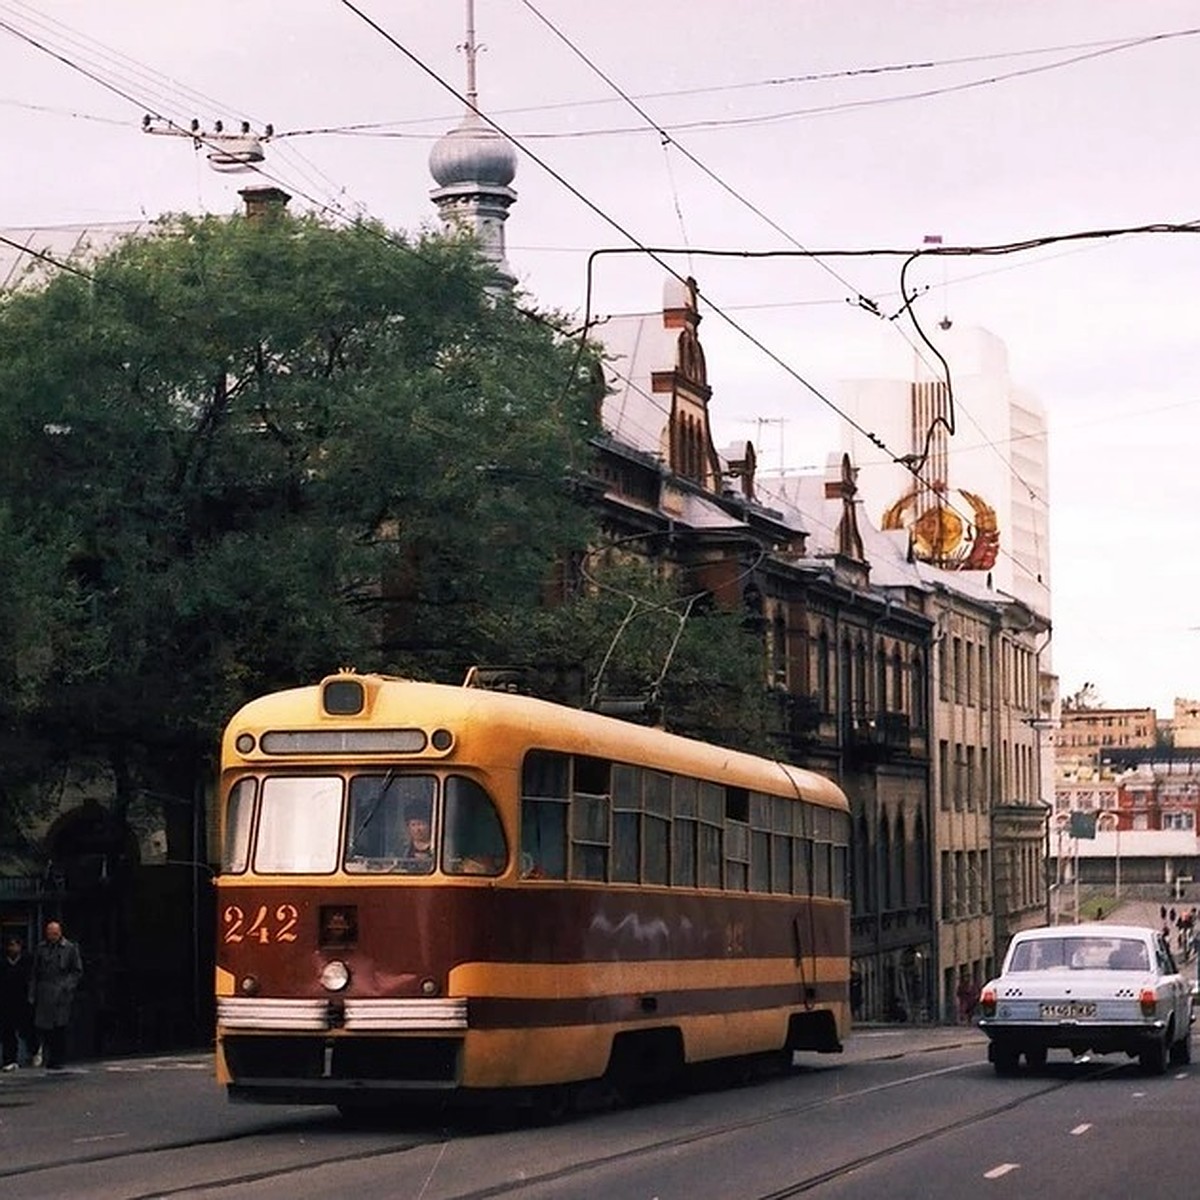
[92, 859]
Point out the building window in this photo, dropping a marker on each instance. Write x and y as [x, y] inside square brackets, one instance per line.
[919, 716]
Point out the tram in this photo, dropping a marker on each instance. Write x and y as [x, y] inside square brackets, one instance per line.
[438, 891]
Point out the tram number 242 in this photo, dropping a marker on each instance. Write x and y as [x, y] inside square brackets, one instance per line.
[262, 927]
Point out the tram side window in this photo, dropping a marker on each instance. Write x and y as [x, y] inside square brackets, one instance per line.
[545, 797]
[641, 825]
[473, 839]
[822, 852]
[239, 820]
[737, 856]
[783, 814]
[656, 828]
[711, 833]
[760, 843]
[590, 802]
[299, 821]
[841, 856]
[626, 823]
[683, 834]
[802, 853]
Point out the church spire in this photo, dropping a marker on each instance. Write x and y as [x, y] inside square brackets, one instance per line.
[473, 166]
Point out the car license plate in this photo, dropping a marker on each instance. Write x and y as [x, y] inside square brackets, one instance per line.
[1067, 1009]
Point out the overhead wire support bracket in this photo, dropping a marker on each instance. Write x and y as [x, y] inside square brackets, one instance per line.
[228, 152]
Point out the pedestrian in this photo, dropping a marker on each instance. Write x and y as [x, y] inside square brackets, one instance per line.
[16, 1014]
[968, 997]
[57, 969]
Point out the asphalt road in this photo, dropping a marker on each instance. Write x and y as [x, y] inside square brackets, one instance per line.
[904, 1112]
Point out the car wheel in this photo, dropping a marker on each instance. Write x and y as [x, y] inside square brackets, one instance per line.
[1181, 1051]
[1153, 1058]
[1036, 1058]
[1006, 1059]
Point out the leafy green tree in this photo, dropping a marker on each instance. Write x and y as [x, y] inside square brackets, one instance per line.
[237, 454]
[638, 636]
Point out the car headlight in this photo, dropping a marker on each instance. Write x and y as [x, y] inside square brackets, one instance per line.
[335, 975]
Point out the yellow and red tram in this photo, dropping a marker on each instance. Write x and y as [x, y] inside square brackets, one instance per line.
[431, 889]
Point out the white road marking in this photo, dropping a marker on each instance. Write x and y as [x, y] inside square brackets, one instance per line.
[99, 1137]
[1081, 1129]
[169, 1065]
[1002, 1169]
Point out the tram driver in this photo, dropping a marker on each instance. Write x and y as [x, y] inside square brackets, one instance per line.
[418, 826]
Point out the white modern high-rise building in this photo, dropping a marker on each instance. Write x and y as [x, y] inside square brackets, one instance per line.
[972, 482]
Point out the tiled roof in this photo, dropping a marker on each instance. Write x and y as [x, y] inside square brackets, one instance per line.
[20, 249]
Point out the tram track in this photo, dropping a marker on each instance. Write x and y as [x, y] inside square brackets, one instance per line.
[198, 1177]
[796, 1187]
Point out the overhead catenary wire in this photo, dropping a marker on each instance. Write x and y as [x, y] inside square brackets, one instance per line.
[328, 208]
[165, 99]
[723, 183]
[590, 204]
[635, 243]
[388, 129]
[722, 123]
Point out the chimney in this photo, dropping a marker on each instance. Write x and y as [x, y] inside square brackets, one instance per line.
[263, 201]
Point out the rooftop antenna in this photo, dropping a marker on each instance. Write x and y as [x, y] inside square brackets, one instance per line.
[758, 423]
[781, 422]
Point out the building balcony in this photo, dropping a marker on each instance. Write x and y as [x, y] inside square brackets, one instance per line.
[878, 735]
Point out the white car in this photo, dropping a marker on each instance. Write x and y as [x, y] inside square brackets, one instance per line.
[1089, 989]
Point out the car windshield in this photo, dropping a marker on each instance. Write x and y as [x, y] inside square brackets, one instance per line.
[1069, 953]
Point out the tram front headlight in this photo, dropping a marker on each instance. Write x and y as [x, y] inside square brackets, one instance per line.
[335, 975]
[249, 985]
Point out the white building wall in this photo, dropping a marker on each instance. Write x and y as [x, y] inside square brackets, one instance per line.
[999, 450]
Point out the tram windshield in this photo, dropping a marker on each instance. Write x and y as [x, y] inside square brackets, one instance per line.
[387, 822]
[390, 826]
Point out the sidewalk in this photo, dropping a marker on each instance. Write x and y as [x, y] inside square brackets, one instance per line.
[868, 1041]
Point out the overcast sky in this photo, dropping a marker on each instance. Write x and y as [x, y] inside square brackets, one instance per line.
[827, 124]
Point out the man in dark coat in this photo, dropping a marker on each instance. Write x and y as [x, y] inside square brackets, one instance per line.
[16, 1015]
[57, 969]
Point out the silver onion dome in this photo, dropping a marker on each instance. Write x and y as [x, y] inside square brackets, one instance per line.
[472, 153]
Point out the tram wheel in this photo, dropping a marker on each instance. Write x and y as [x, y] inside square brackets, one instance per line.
[552, 1104]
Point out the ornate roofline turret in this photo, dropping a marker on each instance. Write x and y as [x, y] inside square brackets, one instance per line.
[473, 166]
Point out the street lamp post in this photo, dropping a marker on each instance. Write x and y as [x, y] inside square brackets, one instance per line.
[1118, 832]
[1076, 841]
[1110, 820]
